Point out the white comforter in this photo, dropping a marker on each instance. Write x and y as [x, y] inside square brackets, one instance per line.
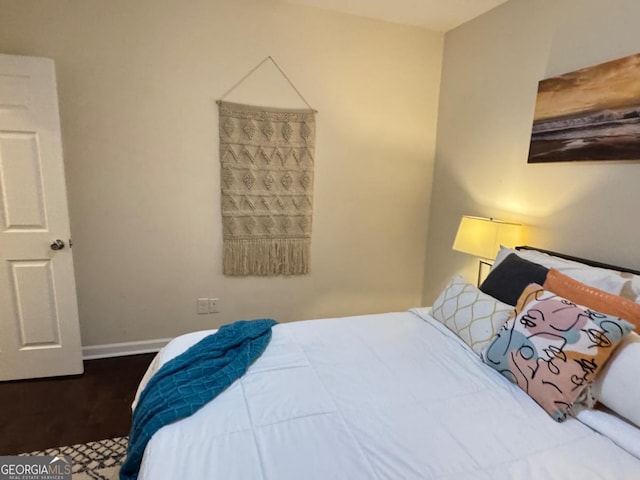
[388, 396]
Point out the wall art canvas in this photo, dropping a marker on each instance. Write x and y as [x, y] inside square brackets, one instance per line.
[591, 114]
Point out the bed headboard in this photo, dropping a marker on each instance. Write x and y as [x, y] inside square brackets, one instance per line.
[581, 260]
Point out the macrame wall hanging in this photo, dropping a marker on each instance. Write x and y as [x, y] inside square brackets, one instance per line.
[266, 181]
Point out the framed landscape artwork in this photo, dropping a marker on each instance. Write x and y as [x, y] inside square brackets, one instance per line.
[589, 115]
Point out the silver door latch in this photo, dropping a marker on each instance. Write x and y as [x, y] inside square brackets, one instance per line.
[57, 245]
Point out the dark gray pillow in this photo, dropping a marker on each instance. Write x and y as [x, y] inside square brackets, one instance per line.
[508, 280]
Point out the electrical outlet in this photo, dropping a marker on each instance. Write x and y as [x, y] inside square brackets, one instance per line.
[214, 305]
[203, 306]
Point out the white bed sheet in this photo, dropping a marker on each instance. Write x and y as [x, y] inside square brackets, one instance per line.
[388, 396]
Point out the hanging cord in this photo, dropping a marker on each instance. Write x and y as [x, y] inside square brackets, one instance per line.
[256, 68]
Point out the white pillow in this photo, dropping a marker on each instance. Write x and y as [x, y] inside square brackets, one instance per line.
[469, 313]
[617, 385]
[624, 284]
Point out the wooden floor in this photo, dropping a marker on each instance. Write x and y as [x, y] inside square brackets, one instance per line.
[52, 412]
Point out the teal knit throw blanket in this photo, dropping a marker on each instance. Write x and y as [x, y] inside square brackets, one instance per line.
[186, 383]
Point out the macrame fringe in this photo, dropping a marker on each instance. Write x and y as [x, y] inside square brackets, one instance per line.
[266, 257]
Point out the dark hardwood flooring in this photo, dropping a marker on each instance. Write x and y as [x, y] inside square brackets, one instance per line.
[52, 412]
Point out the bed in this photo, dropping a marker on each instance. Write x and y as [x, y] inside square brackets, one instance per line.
[388, 396]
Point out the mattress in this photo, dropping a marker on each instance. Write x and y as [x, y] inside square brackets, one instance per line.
[390, 396]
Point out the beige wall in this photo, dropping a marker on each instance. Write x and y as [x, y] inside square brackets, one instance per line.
[137, 83]
[490, 73]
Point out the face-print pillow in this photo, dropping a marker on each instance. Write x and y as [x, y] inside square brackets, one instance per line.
[553, 348]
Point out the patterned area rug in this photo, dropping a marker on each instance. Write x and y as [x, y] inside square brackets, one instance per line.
[94, 460]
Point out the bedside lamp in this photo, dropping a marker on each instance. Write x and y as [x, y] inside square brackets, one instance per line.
[482, 237]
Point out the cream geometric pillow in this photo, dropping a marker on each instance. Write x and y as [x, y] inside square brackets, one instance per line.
[469, 313]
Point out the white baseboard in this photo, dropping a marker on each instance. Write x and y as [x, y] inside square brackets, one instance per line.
[92, 352]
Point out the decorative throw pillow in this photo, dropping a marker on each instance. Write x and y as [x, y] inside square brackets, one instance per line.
[472, 315]
[553, 348]
[507, 281]
[592, 297]
[612, 281]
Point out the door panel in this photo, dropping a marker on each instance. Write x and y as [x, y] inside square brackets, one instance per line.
[14, 91]
[21, 182]
[34, 302]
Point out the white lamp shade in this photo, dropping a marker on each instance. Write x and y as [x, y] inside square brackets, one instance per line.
[482, 237]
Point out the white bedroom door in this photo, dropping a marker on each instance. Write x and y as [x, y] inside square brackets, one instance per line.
[39, 328]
